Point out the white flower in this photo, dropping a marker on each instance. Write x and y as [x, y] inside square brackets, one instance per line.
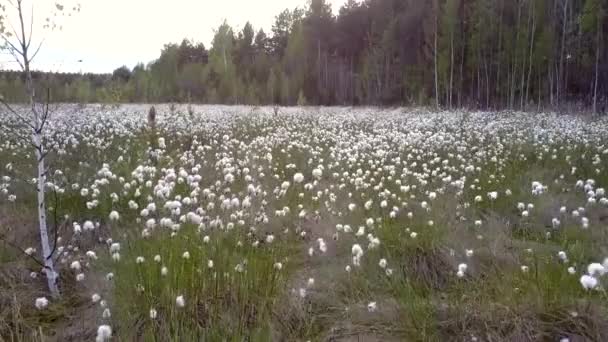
[95, 298]
[104, 333]
[180, 302]
[278, 266]
[75, 265]
[462, 268]
[382, 263]
[114, 247]
[596, 269]
[114, 215]
[317, 173]
[91, 255]
[311, 282]
[161, 143]
[322, 245]
[41, 303]
[30, 251]
[106, 314]
[298, 178]
[164, 271]
[372, 307]
[588, 282]
[357, 253]
[186, 255]
[153, 313]
[88, 226]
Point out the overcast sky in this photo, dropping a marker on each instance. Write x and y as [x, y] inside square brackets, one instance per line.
[106, 34]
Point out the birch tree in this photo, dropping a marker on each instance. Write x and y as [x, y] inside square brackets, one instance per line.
[591, 21]
[17, 37]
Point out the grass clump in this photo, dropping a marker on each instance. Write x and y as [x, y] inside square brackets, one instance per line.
[229, 280]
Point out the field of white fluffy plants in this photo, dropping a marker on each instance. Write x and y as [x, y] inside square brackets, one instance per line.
[216, 223]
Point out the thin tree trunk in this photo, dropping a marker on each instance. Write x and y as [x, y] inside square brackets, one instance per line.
[37, 140]
[597, 64]
[514, 71]
[539, 92]
[461, 78]
[436, 71]
[485, 64]
[550, 70]
[499, 55]
[531, 51]
[451, 66]
[523, 66]
[560, 75]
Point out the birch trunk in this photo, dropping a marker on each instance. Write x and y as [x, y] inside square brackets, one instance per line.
[436, 76]
[37, 123]
[597, 63]
[560, 75]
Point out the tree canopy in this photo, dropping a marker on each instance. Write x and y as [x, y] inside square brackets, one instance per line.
[516, 54]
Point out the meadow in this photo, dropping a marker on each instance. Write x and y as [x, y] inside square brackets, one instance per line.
[228, 223]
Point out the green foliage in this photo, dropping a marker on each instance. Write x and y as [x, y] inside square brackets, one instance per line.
[498, 54]
[233, 296]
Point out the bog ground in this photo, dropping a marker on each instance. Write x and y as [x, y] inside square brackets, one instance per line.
[308, 224]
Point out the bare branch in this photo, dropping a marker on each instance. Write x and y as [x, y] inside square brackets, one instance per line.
[11, 45]
[19, 116]
[15, 33]
[29, 39]
[17, 59]
[43, 155]
[56, 223]
[23, 46]
[45, 114]
[20, 250]
[36, 52]
[14, 131]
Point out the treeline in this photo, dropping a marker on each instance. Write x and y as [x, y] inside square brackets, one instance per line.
[517, 54]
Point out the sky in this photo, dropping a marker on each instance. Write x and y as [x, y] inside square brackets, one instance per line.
[106, 34]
